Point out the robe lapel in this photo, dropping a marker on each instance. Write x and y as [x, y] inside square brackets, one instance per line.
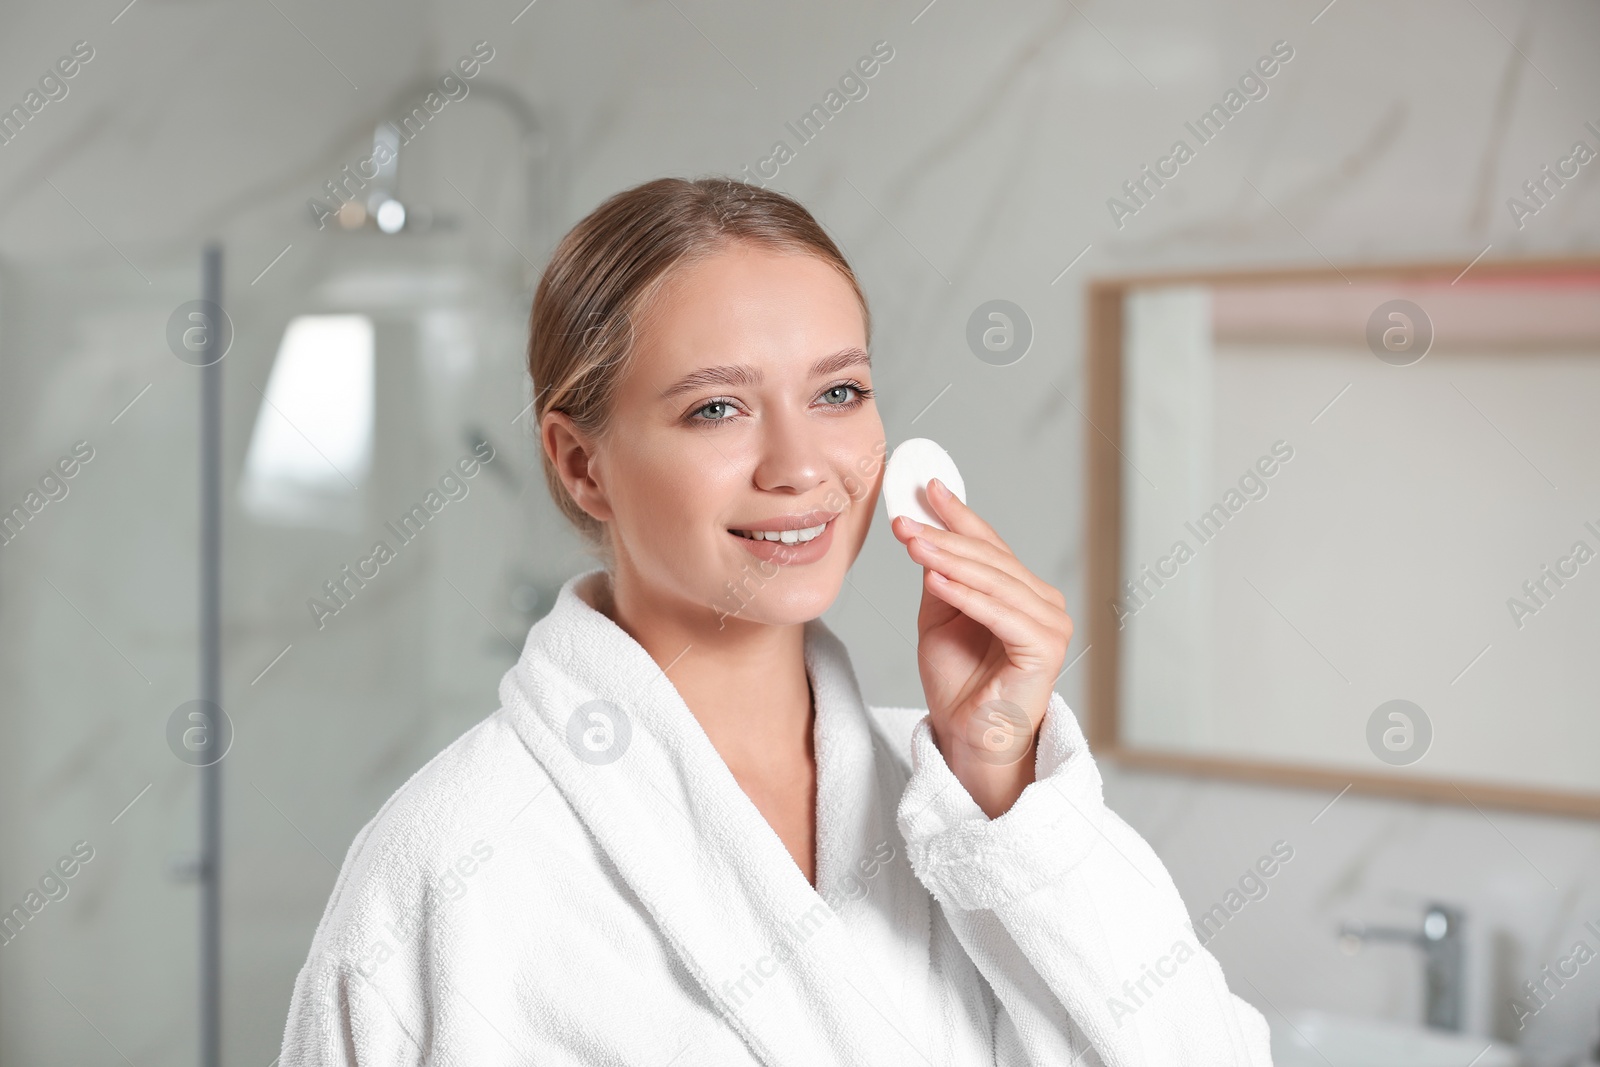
[803, 983]
[862, 869]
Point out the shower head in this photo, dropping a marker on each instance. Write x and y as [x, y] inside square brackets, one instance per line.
[380, 208]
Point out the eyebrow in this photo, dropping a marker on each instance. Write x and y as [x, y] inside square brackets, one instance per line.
[744, 374]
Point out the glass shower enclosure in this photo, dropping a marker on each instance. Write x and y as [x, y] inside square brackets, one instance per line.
[384, 540]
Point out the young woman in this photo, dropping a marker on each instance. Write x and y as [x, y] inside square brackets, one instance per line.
[684, 838]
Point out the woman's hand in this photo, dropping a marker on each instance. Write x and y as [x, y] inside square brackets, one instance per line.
[991, 640]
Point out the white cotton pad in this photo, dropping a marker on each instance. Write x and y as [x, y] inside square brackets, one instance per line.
[912, 465]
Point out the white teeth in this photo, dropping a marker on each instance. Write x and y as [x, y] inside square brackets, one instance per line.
[788, 537]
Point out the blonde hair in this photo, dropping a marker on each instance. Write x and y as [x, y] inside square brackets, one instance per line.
[605, 273]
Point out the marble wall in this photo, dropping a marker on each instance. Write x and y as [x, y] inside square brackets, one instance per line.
[976, 163]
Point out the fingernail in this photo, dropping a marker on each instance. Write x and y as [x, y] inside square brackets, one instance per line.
[940, 485]
[912, 525]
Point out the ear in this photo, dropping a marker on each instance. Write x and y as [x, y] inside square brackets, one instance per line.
[573, 454]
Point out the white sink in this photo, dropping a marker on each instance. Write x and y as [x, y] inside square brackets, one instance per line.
[1317, 1039]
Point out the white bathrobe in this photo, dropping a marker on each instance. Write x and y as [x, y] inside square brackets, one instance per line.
[577, 882]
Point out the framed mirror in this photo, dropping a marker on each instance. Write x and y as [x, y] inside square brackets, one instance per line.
[1345, 529]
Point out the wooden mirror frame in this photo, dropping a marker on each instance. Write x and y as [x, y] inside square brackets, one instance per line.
[1104, 316]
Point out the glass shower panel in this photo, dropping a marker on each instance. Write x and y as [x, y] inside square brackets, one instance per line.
[386, 541]
[99, 480]
[364, 633]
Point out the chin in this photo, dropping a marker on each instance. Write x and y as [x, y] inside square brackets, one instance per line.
[777, 596]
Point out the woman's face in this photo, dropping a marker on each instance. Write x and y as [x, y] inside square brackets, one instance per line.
[746, 408]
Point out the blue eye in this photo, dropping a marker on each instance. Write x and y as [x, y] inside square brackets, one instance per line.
[861, 391]
[840, 394]
[707, 407]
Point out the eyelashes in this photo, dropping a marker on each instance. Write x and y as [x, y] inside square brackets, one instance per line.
[862, 395]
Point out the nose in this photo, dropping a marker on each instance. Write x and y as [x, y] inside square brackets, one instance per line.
[792, 456]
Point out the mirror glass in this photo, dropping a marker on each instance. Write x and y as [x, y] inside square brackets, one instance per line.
[1361, 525]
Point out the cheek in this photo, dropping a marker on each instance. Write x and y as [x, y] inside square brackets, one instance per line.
[676, 485]
[861, 461]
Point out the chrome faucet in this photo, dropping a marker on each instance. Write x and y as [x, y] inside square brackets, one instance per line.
[1440, 941]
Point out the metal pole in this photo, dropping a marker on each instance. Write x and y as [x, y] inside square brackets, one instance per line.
[211, 666]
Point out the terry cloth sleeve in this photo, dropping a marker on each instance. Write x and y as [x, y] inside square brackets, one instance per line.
[361, 999]
[1072, 918]
[337, 1018]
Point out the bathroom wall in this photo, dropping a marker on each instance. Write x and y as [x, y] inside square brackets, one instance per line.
[977, 165]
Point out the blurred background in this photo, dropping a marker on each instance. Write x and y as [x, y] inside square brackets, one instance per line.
[366, 194]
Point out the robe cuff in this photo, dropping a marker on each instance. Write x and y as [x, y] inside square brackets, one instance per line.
[969, 861]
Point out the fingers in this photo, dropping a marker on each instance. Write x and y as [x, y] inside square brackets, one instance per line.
[1025, 637]
[995, 582]
[962, 545]
[955, 514]
[971, 553]
[992, 551]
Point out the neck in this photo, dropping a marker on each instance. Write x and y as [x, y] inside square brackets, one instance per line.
[744, 682]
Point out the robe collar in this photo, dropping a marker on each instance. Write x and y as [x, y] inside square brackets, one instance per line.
[804, 982]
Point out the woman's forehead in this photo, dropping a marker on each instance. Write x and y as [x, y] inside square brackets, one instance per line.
[764, 309]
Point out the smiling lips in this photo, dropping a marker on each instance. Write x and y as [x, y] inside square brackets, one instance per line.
[801, 538]
[788, 537]
[789, 529]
